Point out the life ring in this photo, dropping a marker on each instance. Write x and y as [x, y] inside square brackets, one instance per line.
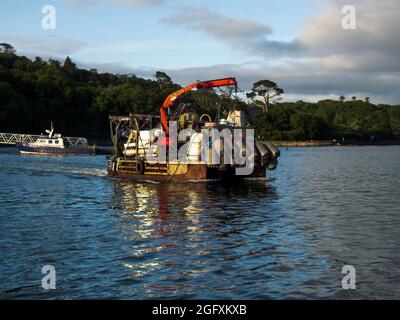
[140, 167]
[205, 115]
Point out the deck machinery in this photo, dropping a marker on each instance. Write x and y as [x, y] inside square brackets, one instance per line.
[139, 138]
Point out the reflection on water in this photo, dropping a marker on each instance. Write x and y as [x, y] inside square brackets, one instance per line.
[186, 227]
[287, 237]
[219, 237]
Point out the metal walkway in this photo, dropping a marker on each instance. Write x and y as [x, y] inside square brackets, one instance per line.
[12, 138]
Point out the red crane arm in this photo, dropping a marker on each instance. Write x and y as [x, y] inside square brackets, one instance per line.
[197, 85]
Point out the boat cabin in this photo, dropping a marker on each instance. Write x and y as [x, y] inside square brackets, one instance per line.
[55, 141]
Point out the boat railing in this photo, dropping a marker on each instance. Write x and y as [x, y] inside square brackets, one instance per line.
[13, 138]
[76, 141]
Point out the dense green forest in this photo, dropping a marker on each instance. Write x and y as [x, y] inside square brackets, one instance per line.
[78, 101]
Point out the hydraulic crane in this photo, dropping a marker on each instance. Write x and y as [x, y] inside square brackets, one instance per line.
[197, 85]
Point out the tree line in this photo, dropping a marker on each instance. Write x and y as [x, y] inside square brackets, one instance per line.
[35, 92]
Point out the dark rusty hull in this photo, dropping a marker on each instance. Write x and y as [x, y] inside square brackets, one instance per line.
[194, 172]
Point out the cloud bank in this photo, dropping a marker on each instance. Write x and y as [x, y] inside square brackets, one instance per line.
[323, 59]
[240, 34]
[44, 46]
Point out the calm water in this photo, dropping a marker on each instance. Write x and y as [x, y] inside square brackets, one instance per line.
[288, 237]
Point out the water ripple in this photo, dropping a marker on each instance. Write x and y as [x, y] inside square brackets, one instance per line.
[284, 237]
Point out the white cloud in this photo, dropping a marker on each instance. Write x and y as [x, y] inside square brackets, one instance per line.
[223, 28]
[240, 34]
[376, 36]
[324, 59]
[45, 45]
[76, 3]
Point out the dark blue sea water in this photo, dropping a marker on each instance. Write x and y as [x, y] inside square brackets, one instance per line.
[287, 237]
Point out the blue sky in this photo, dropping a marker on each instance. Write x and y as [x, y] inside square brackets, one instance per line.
[137, 36]
[298, 44]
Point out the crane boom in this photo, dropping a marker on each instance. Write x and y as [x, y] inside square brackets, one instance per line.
[197, 85]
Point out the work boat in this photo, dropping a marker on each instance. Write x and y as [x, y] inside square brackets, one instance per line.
[139, 139]
[56, 144]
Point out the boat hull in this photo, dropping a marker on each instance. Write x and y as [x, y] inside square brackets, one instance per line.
[72, 150]
[177, 172]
